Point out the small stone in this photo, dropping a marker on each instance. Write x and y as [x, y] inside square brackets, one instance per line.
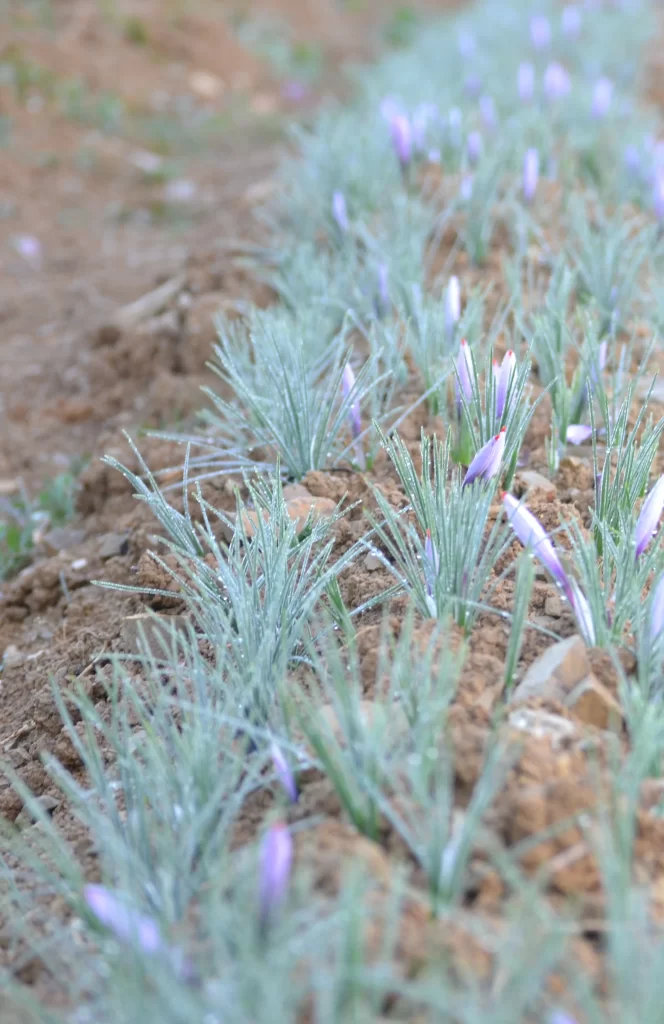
[112, 545]
[205, 85]
[12, 657]
[291, 491]
[26, 817]
[533, 481]
[299, 509]
[78, 564]
[592, 704]
[62, 538]
[541, 724]
[555, 672]
[372, 562]
[553, 606]
[155, 630]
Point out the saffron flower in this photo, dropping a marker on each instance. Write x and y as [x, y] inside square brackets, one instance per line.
[488, 112]
[530, 174]
[540, 32]
[557, 83]
[570, 21]
[465, 373]
[583, 614]
[532, 534]
[466, 43]
[602, 96]
[487, 462]
[452, 308]
[127, 925]
[658, 197]
[577, 433]
[466, 188]
[340, 212]
[526, 82]
[474, 147]
[354, 416]
[284, 774]
[503, 378]
[651, 510]
[473, 86]
[275, 862]
[402, 140]
[657, 610]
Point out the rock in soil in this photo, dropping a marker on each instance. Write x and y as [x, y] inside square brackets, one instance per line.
[556, 672]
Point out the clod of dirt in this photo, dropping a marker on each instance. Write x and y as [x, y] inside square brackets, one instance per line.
[592, 704]
[556, 672]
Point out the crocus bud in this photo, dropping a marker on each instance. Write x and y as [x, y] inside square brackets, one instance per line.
[570, 21]
[540, 32]
[465, 373]
[474, 147]
[530, 174]
[488, 112]
[354, 416]
[452, 308]
[466, 188]
[657, 610]
[583, 613]
[526, 82]
[276, 858]
[422, 115]
[340, 212]
[577, 433]
[651, 510]
[402, 140]
[473, 86]
[532, 535]
[602, 96]
[284, 774]
[507, 368]
[487, 462]
[466, 43]
[127, 925]
[383, 288]
[658, 198]
[556, 82]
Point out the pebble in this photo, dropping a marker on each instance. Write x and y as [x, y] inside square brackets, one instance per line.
[561, 667]
[12, 657]
[112, 545]
[372, 562]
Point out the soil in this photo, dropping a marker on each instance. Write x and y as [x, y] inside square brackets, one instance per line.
[74, 378]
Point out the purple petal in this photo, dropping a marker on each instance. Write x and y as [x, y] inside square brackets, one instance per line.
[127, 925]
[474, 147]
[526, 82]
[276, 857]
[507, 368]
[657, 610]
[582, 612]
[540, 32]
[532, 534]
[488, 112]
[452, 307]
[465, 372]
[486, 464]
[658, 197]
[284, 774]
[577, 433]
[402, 139]
[571, 21]
[340, 212]
[602, 96]
[651, 510]
[557, 83]
[354, 414]
[530, 174]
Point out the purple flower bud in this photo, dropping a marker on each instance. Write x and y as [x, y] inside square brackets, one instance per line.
[526, 82]
[571, 21]
[540, 32]
[657, 610]
[276, 857]
[577, 433]
[557, 83]
[488, 112]
[487, 462]
[452, 308]
[422, 115]
[651, 510]
[632, 159]
[354, 416]
[466, 188]
[507, 368]
[530, 174]
[383, 288]
[532, 534]
[127, 925]
[340, 212]
[432, 563]
[583, 614]
[658, 198]
[284, 774]
[602, 96]
[390, 108]
[473, 86]
[466, 43]
[474, 147]
[402, 139]
[465, 374]
[30, 249]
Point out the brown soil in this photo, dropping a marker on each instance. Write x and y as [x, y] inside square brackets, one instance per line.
[73, 380]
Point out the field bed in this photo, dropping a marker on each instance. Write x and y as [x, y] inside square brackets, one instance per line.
[356, 713]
